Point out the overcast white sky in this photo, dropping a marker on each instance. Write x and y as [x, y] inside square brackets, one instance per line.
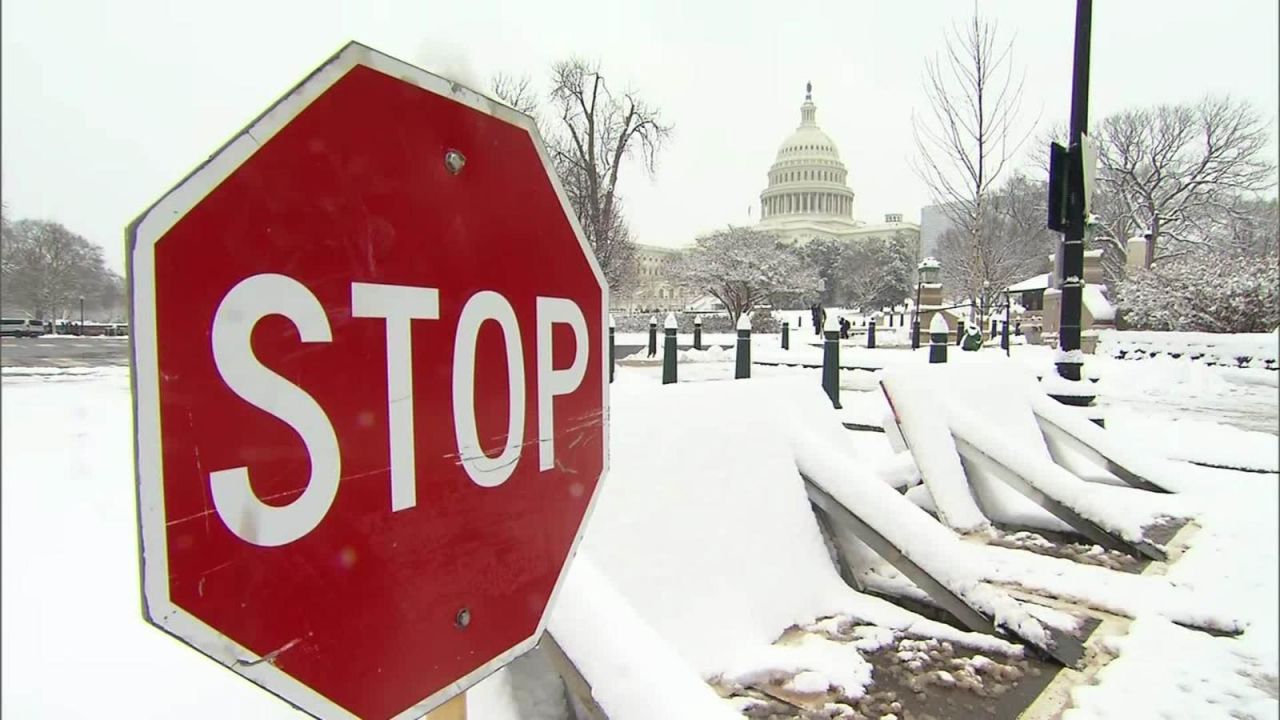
[107, 104]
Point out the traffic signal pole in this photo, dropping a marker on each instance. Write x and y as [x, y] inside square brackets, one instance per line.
[1070, 358]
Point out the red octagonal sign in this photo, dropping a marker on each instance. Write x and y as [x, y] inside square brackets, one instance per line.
[370, 392]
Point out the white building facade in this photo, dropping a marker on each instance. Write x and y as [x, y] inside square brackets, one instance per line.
[808, 193]
[807, 196]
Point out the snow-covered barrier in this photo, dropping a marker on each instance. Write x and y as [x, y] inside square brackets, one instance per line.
[986, 414]
[1259, 350]
[705, 528]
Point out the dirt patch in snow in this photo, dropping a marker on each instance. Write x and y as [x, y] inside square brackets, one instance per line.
[1061, 545]
[916, 679]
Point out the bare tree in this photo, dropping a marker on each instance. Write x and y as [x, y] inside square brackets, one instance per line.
[47, 269]
[742, 268]
[1180, 172]
[964, 144]
[1014, 243]
[518, 92]
[590, 132]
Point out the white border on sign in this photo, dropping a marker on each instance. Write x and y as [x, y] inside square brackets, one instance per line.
[141, 238]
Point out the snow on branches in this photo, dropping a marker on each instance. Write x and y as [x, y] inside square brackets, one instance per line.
[743, 268]
[1220, 290]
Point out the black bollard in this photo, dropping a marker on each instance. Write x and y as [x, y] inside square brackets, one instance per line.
[993, 328]
[871, 334]
[612, 355]
[669, 350]
[831, 364]
[915, 334]
[697, 332]
[938, 339]
[1004, 336]
[959, 332]
[742, 364]
[653, 337]
[786, 335]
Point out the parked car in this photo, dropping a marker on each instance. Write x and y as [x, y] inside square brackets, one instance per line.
[22, 327]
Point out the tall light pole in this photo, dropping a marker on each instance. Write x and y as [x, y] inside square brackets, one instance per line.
[1072, 279]
[82, 315]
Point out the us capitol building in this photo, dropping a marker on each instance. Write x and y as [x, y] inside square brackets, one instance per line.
[807, 196]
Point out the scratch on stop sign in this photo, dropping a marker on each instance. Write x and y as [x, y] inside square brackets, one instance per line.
[270, 657]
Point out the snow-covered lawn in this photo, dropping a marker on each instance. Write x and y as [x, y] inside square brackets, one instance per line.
[703, 551]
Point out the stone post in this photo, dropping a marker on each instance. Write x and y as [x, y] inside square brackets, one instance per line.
[742, 364]
[831, 361]
[938, 340]
[915, 333]
[669, 350]
[697, 332]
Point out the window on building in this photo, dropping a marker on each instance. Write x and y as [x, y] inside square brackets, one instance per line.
[1033, 300]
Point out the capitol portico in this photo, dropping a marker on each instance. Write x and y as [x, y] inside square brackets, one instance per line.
[808, 192]
[807, 196]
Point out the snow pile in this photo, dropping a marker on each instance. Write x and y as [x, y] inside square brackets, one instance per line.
[813, 663]
[715, 353]
[1196, 441]
[1209, 680]
[72, 612]
[621, 657]
[1097, 303]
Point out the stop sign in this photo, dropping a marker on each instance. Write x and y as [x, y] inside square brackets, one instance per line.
[370, 392]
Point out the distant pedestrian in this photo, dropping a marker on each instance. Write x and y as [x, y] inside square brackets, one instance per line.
[844, 328]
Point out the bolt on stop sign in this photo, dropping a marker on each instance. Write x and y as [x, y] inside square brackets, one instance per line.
[370, 392]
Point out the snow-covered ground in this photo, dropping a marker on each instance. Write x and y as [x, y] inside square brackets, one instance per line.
[726, 569]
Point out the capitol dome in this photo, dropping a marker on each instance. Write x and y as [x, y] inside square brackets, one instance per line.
[807, 180]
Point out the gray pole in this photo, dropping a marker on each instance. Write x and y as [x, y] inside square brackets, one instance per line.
[1072, 280]
[915, 313]
[697, 332]
[786, 335]
[612, 354]
[669, 350]
[82, 316]
[653, 337]
[871, 334]
[1004, 330]
[959, 331]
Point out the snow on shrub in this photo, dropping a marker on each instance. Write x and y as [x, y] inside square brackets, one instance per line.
[1205, 291]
